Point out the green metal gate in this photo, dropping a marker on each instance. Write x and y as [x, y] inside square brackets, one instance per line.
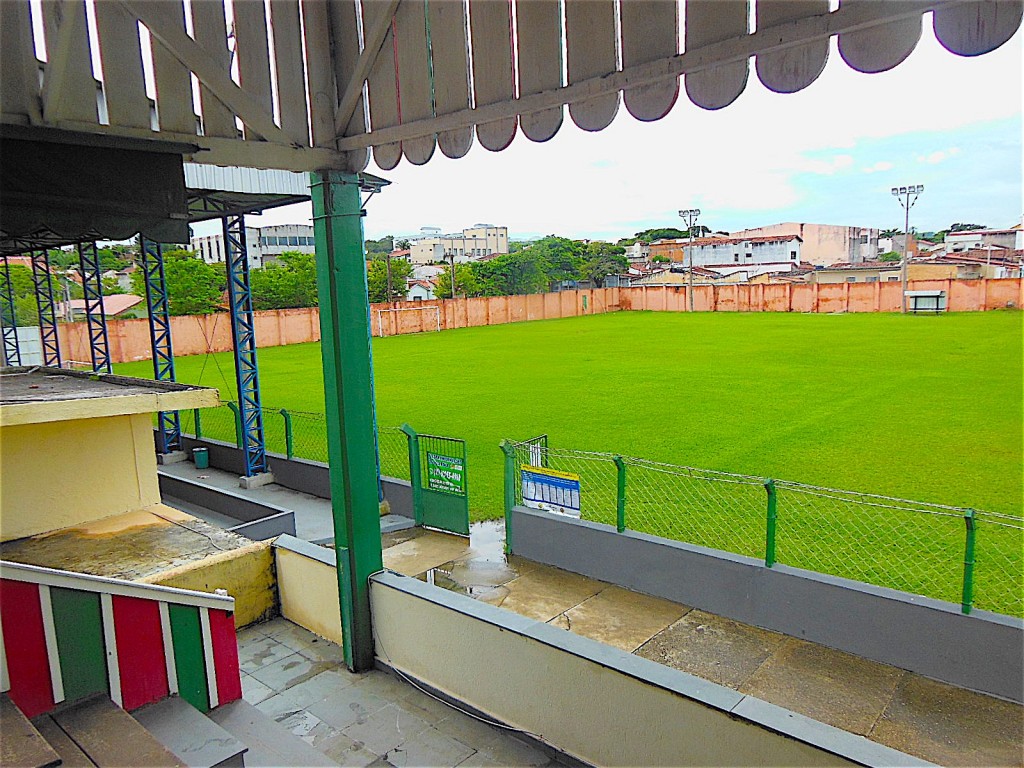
[437, 469]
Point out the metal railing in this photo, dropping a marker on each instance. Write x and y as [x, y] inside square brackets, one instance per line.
[960, 555]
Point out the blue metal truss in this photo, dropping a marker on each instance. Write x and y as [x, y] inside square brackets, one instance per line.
[92, 285]
[43, 282]
[244, 336]
[168, 422]
[8, 318]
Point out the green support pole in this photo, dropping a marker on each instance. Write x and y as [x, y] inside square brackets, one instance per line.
[415, 474]
[968, 595]
[199, 423]
[348, 395]
[238, 422]
[289, 438]
[510, 491]
[769, 537]
[620, 499]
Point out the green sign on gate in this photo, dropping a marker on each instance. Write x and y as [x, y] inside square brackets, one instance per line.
[446, 473]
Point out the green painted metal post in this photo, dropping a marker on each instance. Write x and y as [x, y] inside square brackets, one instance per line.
[967, 600]
[348, 395]
[289, 438]
[199, 423]
[510, 490]
[238, 422]
[620, 499]
[769, 543]
[415, 472]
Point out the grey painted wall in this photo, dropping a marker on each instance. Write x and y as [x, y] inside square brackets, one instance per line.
[258, 520]
[312, 477]
[983, 651]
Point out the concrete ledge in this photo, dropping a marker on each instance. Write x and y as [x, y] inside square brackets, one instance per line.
[276, 520]
[497, 661]
[307, 583]
[312, 477]
[919, 634]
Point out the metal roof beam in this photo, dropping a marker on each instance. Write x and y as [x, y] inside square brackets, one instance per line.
[780, 37]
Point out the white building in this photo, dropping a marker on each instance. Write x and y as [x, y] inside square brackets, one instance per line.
[473, 242]
[961, 242]
[823, 243]
[638, 251]
[263, 244]
[731, 252]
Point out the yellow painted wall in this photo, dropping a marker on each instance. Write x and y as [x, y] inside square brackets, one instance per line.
[64, 473]
[247, 574]
[309, 594]
[591, 712]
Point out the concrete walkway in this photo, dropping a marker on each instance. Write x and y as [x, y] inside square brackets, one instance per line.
[313, 518]
[368, 719]
[935, 721]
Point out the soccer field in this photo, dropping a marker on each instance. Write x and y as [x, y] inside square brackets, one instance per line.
[927, 408]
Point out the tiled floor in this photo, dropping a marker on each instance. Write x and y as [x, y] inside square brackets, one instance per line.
[368, 719]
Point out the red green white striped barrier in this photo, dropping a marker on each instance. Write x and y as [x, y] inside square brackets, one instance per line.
[66, 636]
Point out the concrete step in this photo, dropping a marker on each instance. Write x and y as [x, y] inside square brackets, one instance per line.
[112, 738]
[71, 755]
[21, 744]
[270, 744]
[188, 733]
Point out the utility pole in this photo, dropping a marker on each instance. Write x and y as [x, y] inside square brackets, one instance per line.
[907, 197]
[452, 260]
[391, 294]
[690, 217]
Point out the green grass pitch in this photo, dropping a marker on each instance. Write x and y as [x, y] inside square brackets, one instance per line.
[919, 407]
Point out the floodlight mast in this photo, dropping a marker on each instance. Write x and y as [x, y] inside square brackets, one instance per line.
[690, 217]
[907, 196]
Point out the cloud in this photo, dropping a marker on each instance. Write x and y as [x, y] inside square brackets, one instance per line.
[881, 165]
[937, 157]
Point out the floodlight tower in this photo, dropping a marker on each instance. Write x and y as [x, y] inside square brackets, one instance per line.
[690, 217]
[907, 197]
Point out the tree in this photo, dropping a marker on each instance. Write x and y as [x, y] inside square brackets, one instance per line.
[383, 246]
[601, 260]
[659, 258]
[285, 284]
[377, 280]
[111, 287]
[466, 282]
[890, 256]
[890, 232]
[512, 273]
[193, 286]
[958, 227]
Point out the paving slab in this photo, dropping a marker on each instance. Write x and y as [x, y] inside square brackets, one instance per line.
[420, 554]
[429, 747]
[711, 647]
[621, 618]
[951, 726]
[291, 671]
[386, 729]
[830, 686]
[545, 592]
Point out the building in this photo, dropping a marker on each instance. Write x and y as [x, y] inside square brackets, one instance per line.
[862, 272]
[638, 252]
[960, 242]
[475, 241]
[731, 253]
[263, 244]
[116, 305]
[824, 244]
[420, 290]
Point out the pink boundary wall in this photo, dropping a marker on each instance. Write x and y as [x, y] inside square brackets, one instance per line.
[197, 334]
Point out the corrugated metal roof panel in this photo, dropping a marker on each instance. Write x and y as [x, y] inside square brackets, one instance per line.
[245, 180]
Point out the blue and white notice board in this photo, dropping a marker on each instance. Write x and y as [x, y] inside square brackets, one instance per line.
[551, 490]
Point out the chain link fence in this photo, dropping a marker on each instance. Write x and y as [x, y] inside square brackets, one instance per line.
[954, 554]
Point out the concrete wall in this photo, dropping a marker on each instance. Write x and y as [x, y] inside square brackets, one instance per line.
[113, 471]
[198, 334]
[307, 582]
[907, 631]
[259, 520]
[591, 701]
[312, 477]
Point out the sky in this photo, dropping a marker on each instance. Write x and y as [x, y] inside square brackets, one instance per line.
[828, 154]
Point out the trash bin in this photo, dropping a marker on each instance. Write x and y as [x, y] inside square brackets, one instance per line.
[201, 456]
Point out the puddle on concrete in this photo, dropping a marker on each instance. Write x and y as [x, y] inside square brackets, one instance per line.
[484, 572]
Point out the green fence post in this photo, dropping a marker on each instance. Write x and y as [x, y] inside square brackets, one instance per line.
[415, 476]
[238, 422]
[199, 424]
[289, 438]
[769, 542]
[620, 499]
[510, 490]
[968, 595]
